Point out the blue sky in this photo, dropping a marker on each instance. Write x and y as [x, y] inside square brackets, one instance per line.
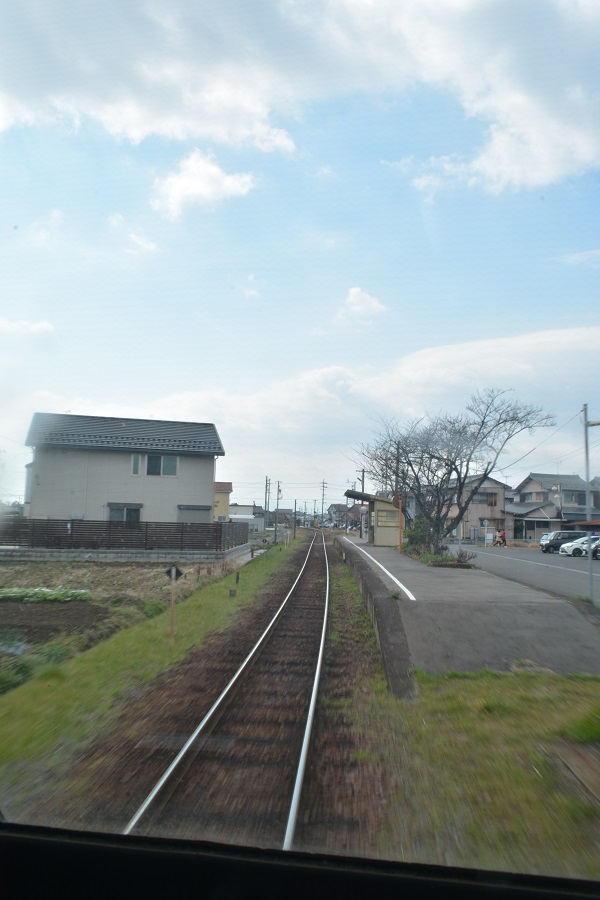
[296, 218]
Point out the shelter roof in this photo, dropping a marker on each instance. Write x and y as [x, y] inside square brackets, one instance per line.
[366, 498]
[139, 435]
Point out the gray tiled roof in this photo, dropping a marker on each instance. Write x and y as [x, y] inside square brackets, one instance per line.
[139, 435]
[547, 481]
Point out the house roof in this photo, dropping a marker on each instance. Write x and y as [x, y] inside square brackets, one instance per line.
[139, 435]
[223, 487]
[523, 510]
[548, 482]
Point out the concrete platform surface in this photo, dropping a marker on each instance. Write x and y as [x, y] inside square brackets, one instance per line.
[465, 619]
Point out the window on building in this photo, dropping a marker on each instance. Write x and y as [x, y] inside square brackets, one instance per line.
[135, 464]
[387, 518]
[161, 465]
[129, 514]
[492, 499]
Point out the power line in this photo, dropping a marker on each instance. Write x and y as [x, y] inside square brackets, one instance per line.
[529, 452]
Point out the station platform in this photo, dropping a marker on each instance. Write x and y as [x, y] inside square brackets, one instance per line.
[463, 620]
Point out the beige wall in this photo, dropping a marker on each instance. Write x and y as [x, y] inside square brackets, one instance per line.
[480, 510]
[221, 505]
[385, 525]
[75, 483]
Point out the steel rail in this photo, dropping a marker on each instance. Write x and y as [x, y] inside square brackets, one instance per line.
[295, 805]
[224, 693]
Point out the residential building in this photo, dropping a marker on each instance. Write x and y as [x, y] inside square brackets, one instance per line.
[337, 513]
[545, 502]
[121, 469]
[248, 512]
[486, 511]
[221, 505]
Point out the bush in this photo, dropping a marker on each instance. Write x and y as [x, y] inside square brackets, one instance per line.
[13, 673]
[152, 608]
[55, 653]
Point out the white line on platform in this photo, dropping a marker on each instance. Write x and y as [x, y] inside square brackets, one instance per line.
[408, 593]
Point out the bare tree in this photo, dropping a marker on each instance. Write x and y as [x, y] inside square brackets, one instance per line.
[443, 460]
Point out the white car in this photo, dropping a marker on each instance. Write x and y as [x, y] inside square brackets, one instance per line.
[575, 548]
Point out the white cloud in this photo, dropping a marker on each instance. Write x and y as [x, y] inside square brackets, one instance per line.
[252, 287]
[359, 306]
[138, 242]
[585, 257]
[528, 73]
[46, 230]
[198, 180]
[24, 328]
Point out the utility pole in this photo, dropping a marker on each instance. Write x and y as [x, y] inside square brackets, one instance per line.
[277, 510]
[295, 516]
[361, 475]
[267, 493]
[323, 499]
[588, 499]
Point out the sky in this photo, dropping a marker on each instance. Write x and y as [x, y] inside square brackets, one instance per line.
[297, 219]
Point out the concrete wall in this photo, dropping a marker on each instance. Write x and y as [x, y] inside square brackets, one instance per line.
[69, 484]
[387, 623]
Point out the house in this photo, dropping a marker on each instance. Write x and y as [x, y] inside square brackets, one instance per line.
[248, 512]
[486, 513]
[337, 513]
[120, 469]
[283, 516]
[545, 502]
[221, 505]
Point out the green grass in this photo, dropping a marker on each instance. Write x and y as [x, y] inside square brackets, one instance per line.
[71, 701]
[478, 775]
[42, 595]
[586, 729]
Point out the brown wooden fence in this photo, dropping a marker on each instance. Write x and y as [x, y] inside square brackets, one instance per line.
[73, 534]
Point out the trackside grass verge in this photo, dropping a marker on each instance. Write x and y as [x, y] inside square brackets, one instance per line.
[478, 777]
[71, 702]
[472, 776]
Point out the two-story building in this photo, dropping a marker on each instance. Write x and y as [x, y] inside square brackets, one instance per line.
[486, 512]
[120, 469]
[544, 502]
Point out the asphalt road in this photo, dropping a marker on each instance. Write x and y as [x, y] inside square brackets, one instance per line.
[561, 575]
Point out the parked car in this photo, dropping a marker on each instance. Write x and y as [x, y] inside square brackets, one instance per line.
[556, 539]
[574, 548]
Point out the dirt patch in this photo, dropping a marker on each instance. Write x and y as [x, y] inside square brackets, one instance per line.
[37, 623]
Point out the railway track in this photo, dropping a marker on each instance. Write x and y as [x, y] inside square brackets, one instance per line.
[238, 777]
